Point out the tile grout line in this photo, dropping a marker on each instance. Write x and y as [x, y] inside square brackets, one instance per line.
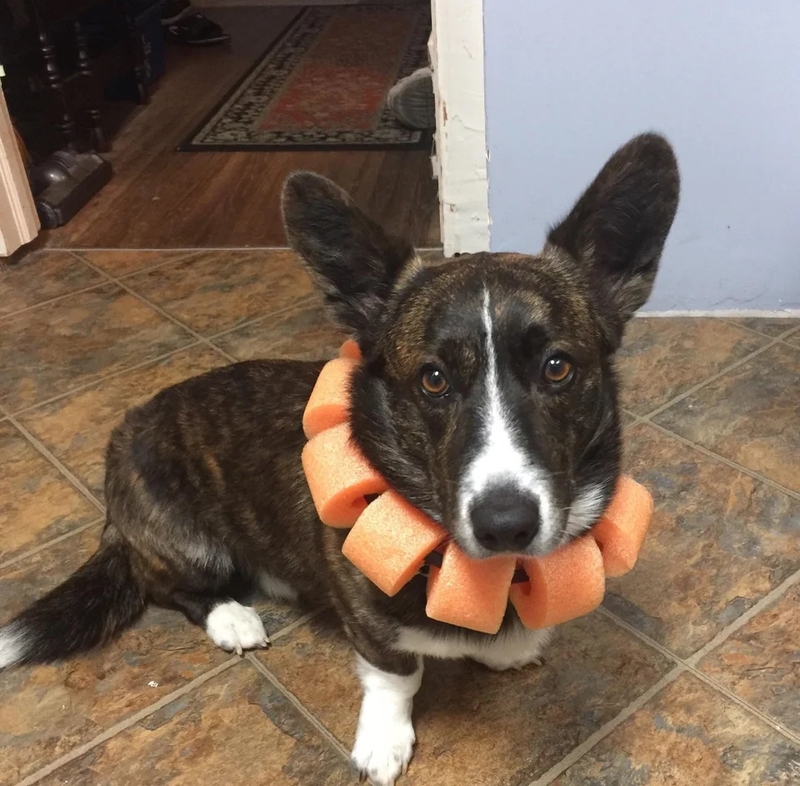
[125, 724]
[257, 320]
[50, 456]
[681, 666]
[200, 338]
[187, 249]
[691, 666]
[780, 337]
[147, 269]
[54, 541]
[647, 418]
[84, 249]
[213, 336]
[300, 707]
[76, 254]
[732, 321]
[606, 729]
[162, 312]
[789, 332]
[766, 719]
[52, 300]
[294, 625]
[643, 637]
[208, 343]
[714, 377]
[725, 460]
[108, 278]
[723, 313]
[113, 375]
[716, 456]
[771, 597]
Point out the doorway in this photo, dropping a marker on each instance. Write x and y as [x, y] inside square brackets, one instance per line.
[162, 198]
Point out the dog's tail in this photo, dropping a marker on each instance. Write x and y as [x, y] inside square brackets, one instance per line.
[90, 608]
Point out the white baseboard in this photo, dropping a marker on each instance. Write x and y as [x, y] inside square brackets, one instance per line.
[736, 313]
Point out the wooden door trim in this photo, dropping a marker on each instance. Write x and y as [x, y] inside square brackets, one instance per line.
[461, 157]
[19, 223]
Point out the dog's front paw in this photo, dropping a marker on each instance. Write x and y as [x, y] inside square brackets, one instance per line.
[382, 752]
[236, 628]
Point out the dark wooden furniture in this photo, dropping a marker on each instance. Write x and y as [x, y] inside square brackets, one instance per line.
[77, 89]
[58, 74]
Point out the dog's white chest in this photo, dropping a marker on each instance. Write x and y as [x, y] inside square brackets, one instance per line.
[511, 650]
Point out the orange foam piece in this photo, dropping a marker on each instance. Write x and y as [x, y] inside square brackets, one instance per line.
[390, 541]
[468, 592]
[339, 477]
[565, 584]
[621, 531]
[350, 350]
[329, 402]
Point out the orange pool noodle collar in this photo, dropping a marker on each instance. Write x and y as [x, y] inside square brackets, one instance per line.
[401, 550]
[390, 540]
[470, 593]
[339, 477]
[565, 584]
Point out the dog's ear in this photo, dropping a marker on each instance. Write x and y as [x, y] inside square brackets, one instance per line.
[620, 224]
[351, 259]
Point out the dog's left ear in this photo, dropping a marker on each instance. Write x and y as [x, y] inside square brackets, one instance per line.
[620, 224]
[351, 259]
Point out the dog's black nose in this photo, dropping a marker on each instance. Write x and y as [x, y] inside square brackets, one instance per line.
[505, 520]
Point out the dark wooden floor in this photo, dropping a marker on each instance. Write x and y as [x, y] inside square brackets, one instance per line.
[160, 198]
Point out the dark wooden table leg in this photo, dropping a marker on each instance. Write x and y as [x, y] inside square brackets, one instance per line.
[63, 118]
[92, 109]
[139, 56]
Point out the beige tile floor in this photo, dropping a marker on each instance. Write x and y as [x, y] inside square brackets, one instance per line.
[689, 674]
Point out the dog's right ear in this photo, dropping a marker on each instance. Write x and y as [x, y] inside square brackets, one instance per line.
[351, 259]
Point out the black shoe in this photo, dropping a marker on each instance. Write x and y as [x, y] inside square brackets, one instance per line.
[197, 30]
[174, 10]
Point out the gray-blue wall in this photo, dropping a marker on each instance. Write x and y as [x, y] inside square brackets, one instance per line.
[568, 81]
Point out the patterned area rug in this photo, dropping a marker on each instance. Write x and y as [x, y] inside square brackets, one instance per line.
[323, 85]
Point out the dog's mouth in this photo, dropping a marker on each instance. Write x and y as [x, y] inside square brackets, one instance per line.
[435, 559]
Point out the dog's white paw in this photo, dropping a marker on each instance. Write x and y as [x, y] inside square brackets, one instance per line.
[385, 737]
[383, 750]
[236, 628]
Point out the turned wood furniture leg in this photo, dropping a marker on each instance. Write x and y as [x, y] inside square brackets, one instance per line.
[63, 118]
[97, 134]
[139, 56]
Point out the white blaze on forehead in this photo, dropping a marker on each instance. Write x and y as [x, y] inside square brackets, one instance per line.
[501, 459]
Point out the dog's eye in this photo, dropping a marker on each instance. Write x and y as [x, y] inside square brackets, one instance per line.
[434, 382]
[558, 370]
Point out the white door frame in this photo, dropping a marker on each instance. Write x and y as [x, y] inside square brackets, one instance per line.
[19, 223]
[461, 157]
